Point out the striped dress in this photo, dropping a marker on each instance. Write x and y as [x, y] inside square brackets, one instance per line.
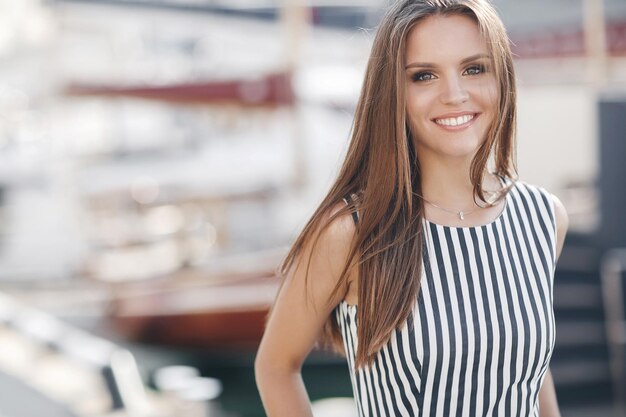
[479, 339]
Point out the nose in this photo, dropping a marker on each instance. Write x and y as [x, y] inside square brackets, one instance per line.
[453, 91]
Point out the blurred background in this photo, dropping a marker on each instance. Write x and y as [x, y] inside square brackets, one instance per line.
[157, 157]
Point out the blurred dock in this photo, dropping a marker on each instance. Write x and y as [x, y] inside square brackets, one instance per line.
[50, 368]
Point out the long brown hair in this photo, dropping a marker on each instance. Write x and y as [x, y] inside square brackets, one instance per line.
[381, 171]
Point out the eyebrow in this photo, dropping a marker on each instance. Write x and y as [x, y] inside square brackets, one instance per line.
[464, 61]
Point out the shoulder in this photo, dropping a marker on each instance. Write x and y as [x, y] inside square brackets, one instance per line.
[541, 197]
[330, 245]
[562, 222]
[556, 210]
[560, 212]
[337, 229]
[561, 219]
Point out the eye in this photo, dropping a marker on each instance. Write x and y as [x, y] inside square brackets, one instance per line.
[475, 69]
[423, 76]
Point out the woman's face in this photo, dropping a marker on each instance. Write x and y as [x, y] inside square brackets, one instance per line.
[451, 89]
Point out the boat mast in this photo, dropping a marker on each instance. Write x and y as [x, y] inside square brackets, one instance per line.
[595, 41]
[295, 19]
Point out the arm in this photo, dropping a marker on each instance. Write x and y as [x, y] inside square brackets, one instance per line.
[548, 405]
[297, 318]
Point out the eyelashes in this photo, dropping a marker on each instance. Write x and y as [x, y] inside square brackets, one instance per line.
[472, 70]
[422, 76]
[476, 69]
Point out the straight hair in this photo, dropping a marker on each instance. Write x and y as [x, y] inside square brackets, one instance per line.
[381, 173]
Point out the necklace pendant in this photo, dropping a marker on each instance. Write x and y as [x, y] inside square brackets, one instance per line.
[461, 215]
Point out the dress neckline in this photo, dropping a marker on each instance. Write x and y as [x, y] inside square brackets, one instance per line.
[498, 218]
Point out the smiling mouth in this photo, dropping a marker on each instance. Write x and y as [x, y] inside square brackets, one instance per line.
[456, 121]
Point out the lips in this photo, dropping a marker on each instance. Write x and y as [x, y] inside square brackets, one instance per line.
[458, 120]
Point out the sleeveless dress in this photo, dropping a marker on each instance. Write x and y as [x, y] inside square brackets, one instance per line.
[480, 337]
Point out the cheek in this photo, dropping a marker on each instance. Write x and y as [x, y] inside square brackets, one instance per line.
[491, 102]
[490, 93]
[412, 110]
[493, 99]
[417, 124]
[413, 123]
[417, 104]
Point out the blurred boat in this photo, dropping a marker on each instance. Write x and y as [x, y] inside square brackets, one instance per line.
[170, 287]
[194, 286]
[271, 90]
[160, 295]
[223, 312]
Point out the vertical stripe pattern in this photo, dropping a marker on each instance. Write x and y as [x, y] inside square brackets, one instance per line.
[480, 337]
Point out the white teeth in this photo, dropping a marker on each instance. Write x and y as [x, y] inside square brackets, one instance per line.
[455, 121]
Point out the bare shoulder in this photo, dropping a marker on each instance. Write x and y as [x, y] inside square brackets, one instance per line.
[324, 255]
[335, 240]
[562, 218]
[562, 222]
[341, 229]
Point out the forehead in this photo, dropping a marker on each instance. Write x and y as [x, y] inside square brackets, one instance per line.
[442, 38]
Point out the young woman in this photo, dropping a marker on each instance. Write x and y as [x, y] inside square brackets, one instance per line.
[427, 263]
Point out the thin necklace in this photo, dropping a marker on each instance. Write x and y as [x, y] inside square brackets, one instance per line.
[460, 213]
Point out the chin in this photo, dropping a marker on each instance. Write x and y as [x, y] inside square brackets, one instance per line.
[451, 146]
[462, 154]
[459, 150]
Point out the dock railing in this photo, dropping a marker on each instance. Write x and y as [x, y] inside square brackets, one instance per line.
[109, 374]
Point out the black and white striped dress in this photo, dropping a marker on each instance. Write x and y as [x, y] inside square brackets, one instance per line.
[480, 338]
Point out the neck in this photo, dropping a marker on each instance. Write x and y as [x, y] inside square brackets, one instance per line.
[448, 184]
